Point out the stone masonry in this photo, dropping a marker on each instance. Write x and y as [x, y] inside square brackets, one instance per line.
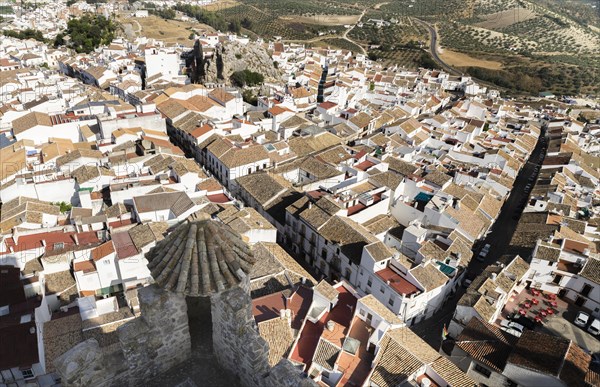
[149, 345]
[240, 349]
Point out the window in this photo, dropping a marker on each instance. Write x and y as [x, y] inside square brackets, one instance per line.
[382, 289]
[362, 312]
[324, 253]
[27, 373]
[106, 262]
[557, 279]
[391, 301]
[483, 371]
[549, 263]
[369, 283]
[586, 290]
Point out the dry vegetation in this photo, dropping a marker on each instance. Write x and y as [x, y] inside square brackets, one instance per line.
[506, 18]
[324, 20]
[169, 31]
[458, 59]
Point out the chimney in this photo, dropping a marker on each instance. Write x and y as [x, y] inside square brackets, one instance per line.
[44, 242]
[494, 275]
[282, 313]
[330, 325]
[16, 236]
[76, 239]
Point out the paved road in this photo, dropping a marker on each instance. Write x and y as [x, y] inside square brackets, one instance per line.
[561, 327]
[499, 239]
[433, 48]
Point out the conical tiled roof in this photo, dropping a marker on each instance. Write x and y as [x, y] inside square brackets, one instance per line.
[200, 257]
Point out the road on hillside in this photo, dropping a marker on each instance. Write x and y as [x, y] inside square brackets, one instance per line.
[499, 239]
[445, 66]
[433, 48]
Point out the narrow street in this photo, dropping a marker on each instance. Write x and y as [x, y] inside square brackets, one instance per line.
[499, 239]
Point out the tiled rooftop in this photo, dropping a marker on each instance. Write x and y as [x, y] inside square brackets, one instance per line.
[268, 307]
[341, 314]
[356, 367]
[399, 284]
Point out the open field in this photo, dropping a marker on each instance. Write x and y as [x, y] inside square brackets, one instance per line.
[324, 20]
[169, 31]
[458, 59]
[221, 4]
[506, 18]
[338, 43]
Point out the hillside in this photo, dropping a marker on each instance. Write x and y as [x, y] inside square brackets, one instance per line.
[525, 45]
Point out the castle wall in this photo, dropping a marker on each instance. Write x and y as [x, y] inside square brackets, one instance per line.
[160, 339]
[148, 346]
[241, 350]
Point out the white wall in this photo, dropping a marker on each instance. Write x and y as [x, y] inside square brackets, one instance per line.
[526, 377]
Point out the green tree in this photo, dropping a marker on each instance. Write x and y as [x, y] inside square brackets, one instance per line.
[247, 23]
[246, 78]
[88, 32]
[235, 26]
[64, 206]
[28, 33]
[427, 61]
[249, 97]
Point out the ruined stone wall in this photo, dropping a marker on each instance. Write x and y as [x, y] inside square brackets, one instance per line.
[241, 350]
[148, 346]
[160, 340]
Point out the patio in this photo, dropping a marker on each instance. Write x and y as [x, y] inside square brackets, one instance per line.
[558, 323]
[535, 305]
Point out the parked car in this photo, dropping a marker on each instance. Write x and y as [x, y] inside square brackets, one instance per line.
[483, 253]
[512, 331]
[524, 321]
[582, 319]
[466, 282]
[594, 327]
[512, 325]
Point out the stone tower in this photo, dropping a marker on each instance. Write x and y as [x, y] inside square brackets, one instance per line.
[207, 258]
[200, 258]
